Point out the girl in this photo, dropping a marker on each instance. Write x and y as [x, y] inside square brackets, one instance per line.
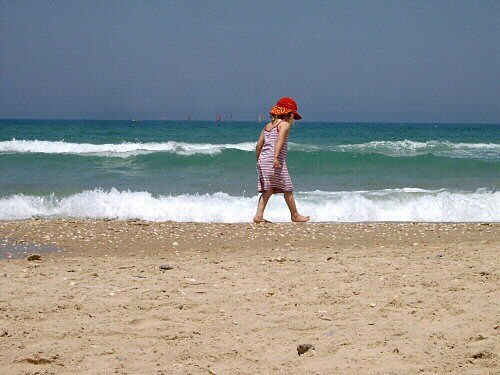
[271, 150]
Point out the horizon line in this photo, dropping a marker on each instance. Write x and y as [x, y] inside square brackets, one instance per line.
[256, 121]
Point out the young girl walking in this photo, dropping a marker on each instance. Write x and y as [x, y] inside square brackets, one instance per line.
[271, 151]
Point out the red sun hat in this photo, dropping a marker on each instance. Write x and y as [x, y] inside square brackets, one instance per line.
[286, 105]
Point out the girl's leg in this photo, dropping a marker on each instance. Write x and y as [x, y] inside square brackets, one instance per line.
[264, 197]
[290, 201]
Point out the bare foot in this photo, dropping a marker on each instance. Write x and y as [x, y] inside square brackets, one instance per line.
[300, 219]
[258, 220]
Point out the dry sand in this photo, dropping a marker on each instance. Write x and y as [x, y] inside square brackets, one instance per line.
[380, 298]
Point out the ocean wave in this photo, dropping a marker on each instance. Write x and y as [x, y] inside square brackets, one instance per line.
[118, 149]
[406, 204]
[405, 148]
[413, 148]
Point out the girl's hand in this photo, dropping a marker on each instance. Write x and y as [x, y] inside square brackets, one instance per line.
[277, 164]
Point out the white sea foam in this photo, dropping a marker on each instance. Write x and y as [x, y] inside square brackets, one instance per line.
[390, 148]
[407, 204]
[118, 149]
[412, 148]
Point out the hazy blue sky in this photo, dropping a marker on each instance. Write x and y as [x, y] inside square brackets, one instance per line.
[397, 61]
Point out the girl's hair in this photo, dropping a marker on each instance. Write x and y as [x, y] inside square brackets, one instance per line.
[285, 116]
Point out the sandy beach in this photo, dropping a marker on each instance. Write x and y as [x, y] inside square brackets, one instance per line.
[369, 298]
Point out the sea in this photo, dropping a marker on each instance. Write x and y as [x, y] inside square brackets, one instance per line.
[202, 171]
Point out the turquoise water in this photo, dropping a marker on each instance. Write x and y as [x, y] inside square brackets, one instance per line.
[341, 171]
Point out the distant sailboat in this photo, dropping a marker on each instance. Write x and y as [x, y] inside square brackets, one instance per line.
[219, 118]
[188, 118]
[260, 118]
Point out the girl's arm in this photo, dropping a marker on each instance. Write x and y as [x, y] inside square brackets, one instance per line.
[260, 144]
[284, 129]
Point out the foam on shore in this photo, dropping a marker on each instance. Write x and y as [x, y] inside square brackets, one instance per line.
[407, 204]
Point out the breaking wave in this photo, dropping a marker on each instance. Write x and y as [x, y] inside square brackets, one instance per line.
[412, 148]
[118, 149]
[403, 148]
[407, 204]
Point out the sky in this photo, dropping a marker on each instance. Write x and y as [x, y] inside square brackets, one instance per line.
[342, 61]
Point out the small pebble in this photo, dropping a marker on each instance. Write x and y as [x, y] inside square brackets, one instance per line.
[302, 348]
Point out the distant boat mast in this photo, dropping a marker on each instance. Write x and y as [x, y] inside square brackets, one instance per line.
[219, 118]
[188, 117]
[260, 118]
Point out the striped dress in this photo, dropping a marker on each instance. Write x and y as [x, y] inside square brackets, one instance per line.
[269, 177]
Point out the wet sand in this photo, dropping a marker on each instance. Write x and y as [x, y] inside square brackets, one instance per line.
[372, 298]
